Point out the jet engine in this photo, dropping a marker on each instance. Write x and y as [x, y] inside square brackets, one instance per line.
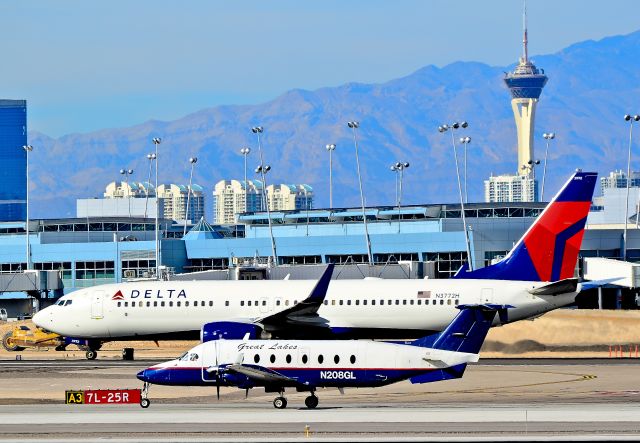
[229, 330]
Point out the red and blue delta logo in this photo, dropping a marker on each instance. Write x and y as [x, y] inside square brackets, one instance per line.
[118, 296]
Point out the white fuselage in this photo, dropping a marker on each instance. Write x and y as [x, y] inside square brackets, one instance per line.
[316, 363]
[150, 308]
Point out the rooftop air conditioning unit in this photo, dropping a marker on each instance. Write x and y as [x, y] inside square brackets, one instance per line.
[129, 273]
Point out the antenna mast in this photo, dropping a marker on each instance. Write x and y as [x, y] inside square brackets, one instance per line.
[524, 38]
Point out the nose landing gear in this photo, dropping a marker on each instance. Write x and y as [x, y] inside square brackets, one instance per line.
[144, 401]
[280, 403]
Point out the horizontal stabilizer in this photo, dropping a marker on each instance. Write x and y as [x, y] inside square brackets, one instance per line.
[559, 287]
[440, 374]
[467, 330]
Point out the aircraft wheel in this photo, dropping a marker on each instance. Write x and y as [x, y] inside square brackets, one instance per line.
[311, 401]
[144, 403]
[9, 344]
[280, 403]
[91, 354]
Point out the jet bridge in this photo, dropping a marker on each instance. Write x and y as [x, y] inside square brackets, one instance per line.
[613, 274]
[35, 283]
[617, 272]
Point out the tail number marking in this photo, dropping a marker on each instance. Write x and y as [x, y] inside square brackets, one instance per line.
[337, 375]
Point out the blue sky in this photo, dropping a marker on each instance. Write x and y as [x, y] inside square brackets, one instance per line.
[84, 65]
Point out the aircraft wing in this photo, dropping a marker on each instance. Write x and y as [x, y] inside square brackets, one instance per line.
[261, 374]
[304, 313]
[558, 287]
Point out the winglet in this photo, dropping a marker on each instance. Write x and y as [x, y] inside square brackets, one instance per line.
[319, 291]
[307, 309]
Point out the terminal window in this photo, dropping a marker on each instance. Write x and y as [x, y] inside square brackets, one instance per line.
[91, 273]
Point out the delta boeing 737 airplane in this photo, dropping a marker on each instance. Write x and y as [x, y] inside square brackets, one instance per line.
[310, 364]
[536, 276]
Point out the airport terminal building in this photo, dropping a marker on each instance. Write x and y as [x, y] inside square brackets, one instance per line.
[93, 251]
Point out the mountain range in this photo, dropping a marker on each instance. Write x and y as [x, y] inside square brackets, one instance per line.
[591, 86]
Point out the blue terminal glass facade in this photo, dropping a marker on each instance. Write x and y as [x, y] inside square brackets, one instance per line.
[13, 136]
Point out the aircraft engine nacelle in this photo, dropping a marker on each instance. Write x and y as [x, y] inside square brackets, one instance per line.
[229, 330]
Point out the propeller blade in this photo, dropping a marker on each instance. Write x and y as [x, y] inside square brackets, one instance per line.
[218, 385]
[246, 393]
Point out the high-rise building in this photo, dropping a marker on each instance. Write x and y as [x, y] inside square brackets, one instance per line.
[232, 197]
[618, 179]
[510, 188]
[285, 197]
[13, 175]
[121, 189]
[175, 201]
[525, 83]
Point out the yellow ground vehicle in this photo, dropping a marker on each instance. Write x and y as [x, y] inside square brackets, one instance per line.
[22, 337]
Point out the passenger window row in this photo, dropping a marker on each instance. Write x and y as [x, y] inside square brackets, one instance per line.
[334, 302]
[395, 302]
[148, 304]
[255, 303]
[304, 359]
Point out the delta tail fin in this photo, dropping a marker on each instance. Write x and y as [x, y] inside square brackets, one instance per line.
[548, 251]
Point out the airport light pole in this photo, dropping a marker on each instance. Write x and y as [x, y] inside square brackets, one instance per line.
[451, 127]
[400, 166]
[151, 158]
[629, 119]
[28, 149]
[530, 167]
[156, 141]
[354, 126]
[127, 173]
[465, 141]
[331, 147]
[306, 204]
[262, 170]
[547, 136]
[394, 169]
[245, 151]
[193, 161]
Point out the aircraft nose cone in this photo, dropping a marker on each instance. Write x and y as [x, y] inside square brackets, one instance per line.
[39, 318]
[142, 375]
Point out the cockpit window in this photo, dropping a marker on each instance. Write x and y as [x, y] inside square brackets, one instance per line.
[184, 356]
[193, 357]
[68, 302]
[60, 302]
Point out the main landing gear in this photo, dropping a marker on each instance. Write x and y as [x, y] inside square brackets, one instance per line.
[310, 402]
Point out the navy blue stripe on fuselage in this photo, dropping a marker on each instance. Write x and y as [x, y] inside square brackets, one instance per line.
[316, 377]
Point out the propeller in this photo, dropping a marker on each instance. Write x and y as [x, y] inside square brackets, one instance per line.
[218, 370]
[217, 375]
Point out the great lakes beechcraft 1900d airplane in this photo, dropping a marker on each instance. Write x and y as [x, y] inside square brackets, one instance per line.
[307, 365]
[535, 277]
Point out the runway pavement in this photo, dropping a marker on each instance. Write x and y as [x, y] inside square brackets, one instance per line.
[508, 398]
[388, 421]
